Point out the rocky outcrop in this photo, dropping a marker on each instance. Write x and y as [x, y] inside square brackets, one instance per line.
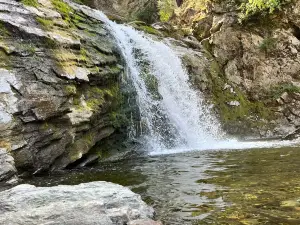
[60, 83]
[8, 170]
[100, 203]
[254, 64]
[128, 10]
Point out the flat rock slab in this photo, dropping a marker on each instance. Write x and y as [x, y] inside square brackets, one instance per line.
[100, 203]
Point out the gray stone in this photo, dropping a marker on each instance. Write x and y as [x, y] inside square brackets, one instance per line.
[7, 167]
[234, 103]
[100, 203]
[144, 222]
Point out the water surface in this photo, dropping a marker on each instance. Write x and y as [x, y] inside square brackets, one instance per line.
[258, 186]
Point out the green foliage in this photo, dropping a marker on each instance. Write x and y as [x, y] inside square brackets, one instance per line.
[268, 44]
[166, 9]
[33, 3]
[253, 7]
[278, 90]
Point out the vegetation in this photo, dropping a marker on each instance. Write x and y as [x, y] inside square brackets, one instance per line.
[278, 90]
[268, 44]
[33, 3]
[64, 9]
[166, 9]
[253, 7]
[4, 32]
[46, 23]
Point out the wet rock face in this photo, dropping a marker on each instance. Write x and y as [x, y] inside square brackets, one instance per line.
[100, 203]
[259, 60]
[59, 83]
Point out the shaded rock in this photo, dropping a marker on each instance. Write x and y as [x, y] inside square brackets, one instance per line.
[293, 135]
[7, 168]
[100, 203]
[60, 84]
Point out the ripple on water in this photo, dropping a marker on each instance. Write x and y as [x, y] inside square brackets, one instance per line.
[259, 186]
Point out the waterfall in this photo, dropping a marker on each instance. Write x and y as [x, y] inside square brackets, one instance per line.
[174, 116]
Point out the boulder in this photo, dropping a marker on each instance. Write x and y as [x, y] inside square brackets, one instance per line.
[101, 203]
[7, 168]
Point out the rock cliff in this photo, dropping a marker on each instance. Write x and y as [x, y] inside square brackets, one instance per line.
[60, 84]
[248, 65]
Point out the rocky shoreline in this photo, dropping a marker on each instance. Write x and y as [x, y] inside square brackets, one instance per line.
[100, 203]
[60, 86]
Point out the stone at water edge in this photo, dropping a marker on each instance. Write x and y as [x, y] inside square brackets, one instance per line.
[100, 203]
[8, 170]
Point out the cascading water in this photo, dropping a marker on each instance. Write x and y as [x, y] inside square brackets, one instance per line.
[173, 113]
[174, 117]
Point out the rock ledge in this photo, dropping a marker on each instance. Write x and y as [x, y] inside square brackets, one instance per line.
[100, 203]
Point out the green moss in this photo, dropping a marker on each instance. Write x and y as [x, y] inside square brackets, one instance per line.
[46, 23]
[268, 44]
[78, 18]
[51, 44]
[64, 9]
[245, 112]
[4, 32]
[5, 61]
[83, 55]
[149, 29]
[278, 90]
[33, 3]
[118, 119]
[70, 89]
[82, 144]
[96, 97]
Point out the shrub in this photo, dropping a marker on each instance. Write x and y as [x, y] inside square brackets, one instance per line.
[166, 9]
[252, 7]
[268, 44]
[278, 90]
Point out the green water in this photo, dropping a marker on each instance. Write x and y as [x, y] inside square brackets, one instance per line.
[260, 186]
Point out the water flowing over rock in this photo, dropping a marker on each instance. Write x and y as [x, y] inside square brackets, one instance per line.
[257, 56]
[100, 203]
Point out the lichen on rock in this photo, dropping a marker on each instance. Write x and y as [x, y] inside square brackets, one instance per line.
[60, 81]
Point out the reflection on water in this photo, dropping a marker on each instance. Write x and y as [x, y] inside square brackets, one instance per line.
[219, 187]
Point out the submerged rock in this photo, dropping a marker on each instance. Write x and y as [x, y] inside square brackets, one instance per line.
[100, 203]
